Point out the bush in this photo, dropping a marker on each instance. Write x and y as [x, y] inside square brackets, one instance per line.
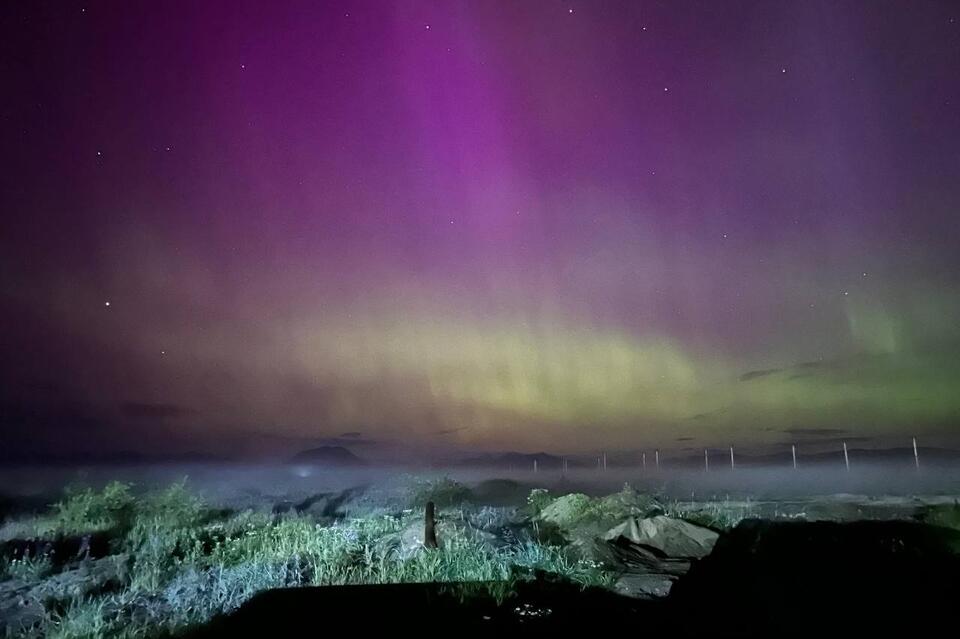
[539, 499]
[85, 510]
[443, 492]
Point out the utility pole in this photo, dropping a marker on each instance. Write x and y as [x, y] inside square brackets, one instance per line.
[706, 461]
[916, 454]
[732, 464]
[846, 457]
[793, 451]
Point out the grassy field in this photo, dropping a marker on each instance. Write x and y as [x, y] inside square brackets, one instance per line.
[170, 561]
[128, 561]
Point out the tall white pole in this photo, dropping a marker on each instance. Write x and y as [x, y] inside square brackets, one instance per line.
[604, 461]
[793, 451]
[732, 464]
[534, 465]
[643, 460]
[656, 458]
[706, 461]
[916, 454]
[846, 457]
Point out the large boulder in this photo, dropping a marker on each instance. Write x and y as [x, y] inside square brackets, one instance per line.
[666, 537]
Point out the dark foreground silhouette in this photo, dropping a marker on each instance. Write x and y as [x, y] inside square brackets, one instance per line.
[762, 579]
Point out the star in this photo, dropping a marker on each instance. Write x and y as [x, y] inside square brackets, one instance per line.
[724, 236]
[569, 10]
[428, 27]
[665, 89]
[243, 66]
[106, 303]
[783, 70]
[99, 154]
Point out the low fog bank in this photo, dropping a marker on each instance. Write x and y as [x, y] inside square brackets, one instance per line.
[249, 483]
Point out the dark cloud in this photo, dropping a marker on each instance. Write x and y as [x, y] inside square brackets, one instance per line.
[449, 431]
[813, 432]
[818, 364]
[840, 440]
[832, 441]
[761, 373]
[709, 415]
[143, 410]
[352, 440]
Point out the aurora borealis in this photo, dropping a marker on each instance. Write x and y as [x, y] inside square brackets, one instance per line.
[478, 225]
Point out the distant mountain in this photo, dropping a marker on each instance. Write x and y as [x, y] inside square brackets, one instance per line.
[513, 460]
[327, 456]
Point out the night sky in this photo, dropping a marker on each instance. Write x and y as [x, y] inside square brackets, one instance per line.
[235, 227]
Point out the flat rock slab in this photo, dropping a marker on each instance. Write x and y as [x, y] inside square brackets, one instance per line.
[666, 536]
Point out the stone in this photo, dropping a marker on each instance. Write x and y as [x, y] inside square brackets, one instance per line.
[666, 537]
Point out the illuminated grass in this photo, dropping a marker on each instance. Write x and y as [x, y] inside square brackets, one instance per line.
[184, 563]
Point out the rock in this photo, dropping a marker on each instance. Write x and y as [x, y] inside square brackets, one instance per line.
[644, 585]
[666, 537]
[576, 510]
[20, 610]
[448, 533]
[82, 579]
[21, 603]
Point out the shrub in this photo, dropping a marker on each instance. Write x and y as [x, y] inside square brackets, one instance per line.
[85, 510]
[443, 492]
[538, 499]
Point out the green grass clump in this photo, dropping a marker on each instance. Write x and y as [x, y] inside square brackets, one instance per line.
[86, 510]
[716, 515]
[81, 511]
[578, 510]
[538, 499]
[26, 568]
[946, 515]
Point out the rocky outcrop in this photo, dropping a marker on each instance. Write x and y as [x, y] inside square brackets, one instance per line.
[666, 537]
[655, 551]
